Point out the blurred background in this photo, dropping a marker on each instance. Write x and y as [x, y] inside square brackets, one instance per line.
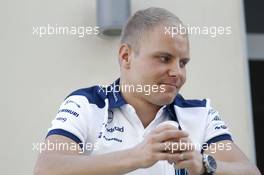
[37, 73]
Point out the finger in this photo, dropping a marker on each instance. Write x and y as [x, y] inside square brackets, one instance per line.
[185, 139]
[162, 147]
[189, 160]
[169, 147]
[164, 156]
[183, 156]
[177, 157]
[182, 146]
[171, 134]
[185, 144]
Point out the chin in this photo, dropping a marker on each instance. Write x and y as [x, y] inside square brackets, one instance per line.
[166, 98]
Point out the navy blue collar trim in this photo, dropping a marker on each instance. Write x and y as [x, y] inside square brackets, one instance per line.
[114, 95]
[172, 114]
[181, 102]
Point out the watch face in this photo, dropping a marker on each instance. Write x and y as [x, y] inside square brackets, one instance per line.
[212, 163]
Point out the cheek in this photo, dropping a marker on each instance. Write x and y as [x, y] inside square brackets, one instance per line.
[183, 78]
[150, 69]
[158, 68]
[155, 73]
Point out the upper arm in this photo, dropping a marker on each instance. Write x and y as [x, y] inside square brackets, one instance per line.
[61, 145]
[70, 128]
[67, 137]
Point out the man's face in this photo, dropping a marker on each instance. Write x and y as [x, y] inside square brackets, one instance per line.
[160, 62]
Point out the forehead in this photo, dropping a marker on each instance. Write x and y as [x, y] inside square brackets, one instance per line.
[158, 40]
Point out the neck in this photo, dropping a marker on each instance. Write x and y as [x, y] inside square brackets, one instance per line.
[145, 110]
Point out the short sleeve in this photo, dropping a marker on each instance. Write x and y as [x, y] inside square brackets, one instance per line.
[71, 120]
[216, 129]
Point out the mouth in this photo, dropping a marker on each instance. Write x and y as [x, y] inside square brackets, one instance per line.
[170, 84]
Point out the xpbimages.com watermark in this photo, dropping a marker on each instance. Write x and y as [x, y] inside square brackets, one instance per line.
[79, 31]
[139, 88]
[173, 31]
[212, 31]
[180, 146]
[170, 147]
[61, 146]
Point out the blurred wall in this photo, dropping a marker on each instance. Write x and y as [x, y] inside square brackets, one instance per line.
[38, 73]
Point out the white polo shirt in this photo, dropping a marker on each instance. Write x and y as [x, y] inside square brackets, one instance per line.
[100, 117]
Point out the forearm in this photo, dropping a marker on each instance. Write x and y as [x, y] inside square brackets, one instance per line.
[114, 163]
[236, 168]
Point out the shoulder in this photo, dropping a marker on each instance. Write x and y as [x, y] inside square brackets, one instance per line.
[94, 95]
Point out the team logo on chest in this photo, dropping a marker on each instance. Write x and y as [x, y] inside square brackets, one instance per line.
[112, 132]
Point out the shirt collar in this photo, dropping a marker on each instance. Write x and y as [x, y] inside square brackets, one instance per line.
[114, 95]
[116, 100]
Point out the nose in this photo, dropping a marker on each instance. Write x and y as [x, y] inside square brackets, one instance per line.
[175, 70]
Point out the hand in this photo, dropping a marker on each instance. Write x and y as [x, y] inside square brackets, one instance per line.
[152, 149]
[189, 159]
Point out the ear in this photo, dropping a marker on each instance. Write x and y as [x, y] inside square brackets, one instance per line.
[125, 53]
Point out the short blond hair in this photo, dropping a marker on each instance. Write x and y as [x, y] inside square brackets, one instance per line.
[143, 21]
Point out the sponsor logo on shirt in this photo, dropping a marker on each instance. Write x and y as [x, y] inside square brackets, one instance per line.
[61, 119]
[113, 138]
[111, 130]
[71, 101]
[69, 111]
[220, 127]
[216, 118]
[211, 111]
[116, 128]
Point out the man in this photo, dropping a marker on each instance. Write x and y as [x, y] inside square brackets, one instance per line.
[121, 122]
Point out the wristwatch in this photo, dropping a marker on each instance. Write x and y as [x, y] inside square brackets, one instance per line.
[209, 164]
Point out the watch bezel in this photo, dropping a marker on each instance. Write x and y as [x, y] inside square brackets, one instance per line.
[209, 164]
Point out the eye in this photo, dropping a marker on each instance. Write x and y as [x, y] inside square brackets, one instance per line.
[164, 59]
[183, 62]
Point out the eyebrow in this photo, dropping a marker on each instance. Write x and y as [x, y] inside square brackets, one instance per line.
[186, 59]
[167, 54]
